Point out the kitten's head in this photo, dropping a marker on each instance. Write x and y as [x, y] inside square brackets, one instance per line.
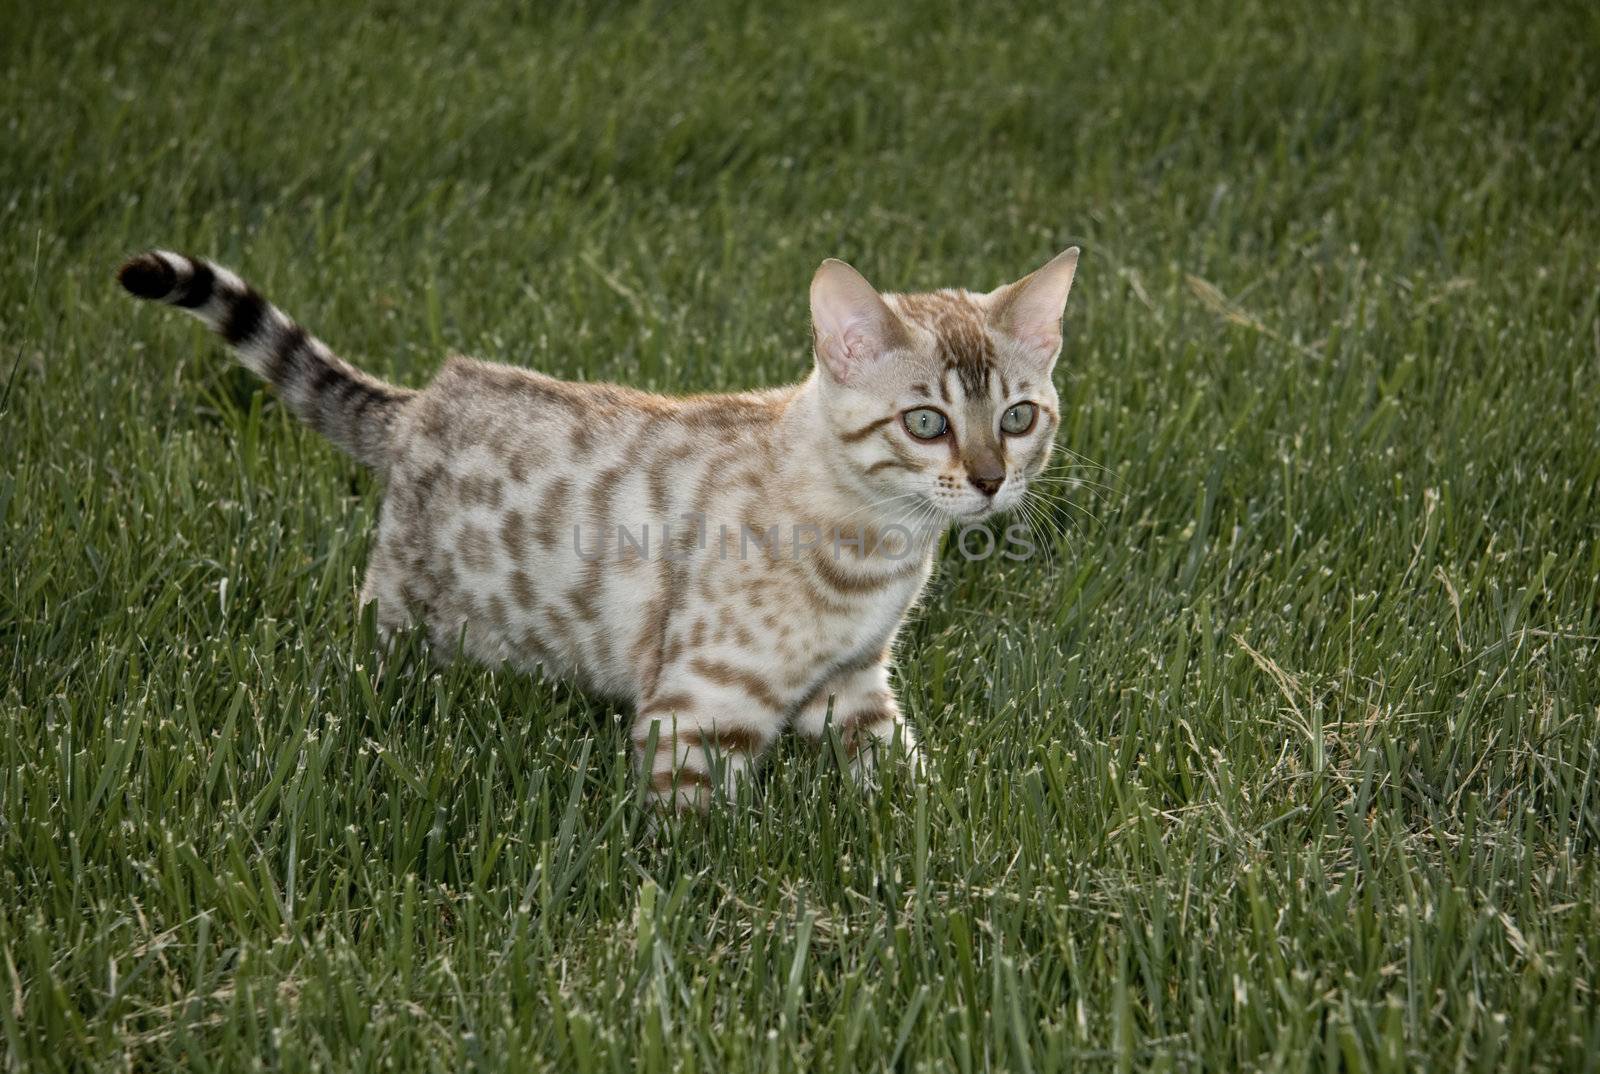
[943, 399]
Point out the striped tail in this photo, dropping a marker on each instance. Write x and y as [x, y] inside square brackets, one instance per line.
[332, 396]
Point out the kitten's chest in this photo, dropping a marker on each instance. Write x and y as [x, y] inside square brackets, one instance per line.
[823, 626]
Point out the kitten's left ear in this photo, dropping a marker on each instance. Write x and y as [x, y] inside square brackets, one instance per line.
[1031, 309]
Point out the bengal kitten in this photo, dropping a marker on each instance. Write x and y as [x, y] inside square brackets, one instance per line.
[729, 564]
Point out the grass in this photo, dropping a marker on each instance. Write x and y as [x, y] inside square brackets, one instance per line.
[1286, 755]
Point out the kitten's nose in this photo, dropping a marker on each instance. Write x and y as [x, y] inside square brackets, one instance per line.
[987, 482]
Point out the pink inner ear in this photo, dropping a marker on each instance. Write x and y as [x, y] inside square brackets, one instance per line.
[858, 341]
[1033, 327]
[850, 351]
[1042, 340]
[1035, 316]
[853, 326]
[1031, 309]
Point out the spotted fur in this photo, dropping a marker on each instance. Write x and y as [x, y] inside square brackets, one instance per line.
[728, 564]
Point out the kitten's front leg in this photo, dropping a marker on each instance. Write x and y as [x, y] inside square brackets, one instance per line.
[698, 746]
[866, 717]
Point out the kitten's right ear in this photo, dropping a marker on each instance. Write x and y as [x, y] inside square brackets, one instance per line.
[851, 326]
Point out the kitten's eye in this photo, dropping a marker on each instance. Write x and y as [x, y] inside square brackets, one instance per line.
[926, 423]
[1019, 419]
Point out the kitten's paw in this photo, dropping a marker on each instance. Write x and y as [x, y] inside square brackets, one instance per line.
[864, 771]
[916, 761]
[664, 817]
[669, 797]
[900, 749]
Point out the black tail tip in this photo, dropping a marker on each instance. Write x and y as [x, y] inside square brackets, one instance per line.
[147, 276]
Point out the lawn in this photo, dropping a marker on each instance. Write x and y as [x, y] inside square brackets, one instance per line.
[1282, 753]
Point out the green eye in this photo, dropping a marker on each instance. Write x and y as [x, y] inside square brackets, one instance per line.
[925, 423]
[1019, 419]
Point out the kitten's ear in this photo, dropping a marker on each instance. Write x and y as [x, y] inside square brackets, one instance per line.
[851, 326]
[1031, 309]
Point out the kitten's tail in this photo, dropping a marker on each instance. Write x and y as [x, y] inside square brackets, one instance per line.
[349, 407]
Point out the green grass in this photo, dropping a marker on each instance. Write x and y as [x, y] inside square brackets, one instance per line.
[1286, 756]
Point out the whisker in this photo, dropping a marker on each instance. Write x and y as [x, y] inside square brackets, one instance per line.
[1037, 520]
[1075, 474]
[1065, 502]
[1067, 496]
[1102, 495]
[1082, 459]
[1079, 479]
[885, 502]
[1049, 507]
[1040, 506]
